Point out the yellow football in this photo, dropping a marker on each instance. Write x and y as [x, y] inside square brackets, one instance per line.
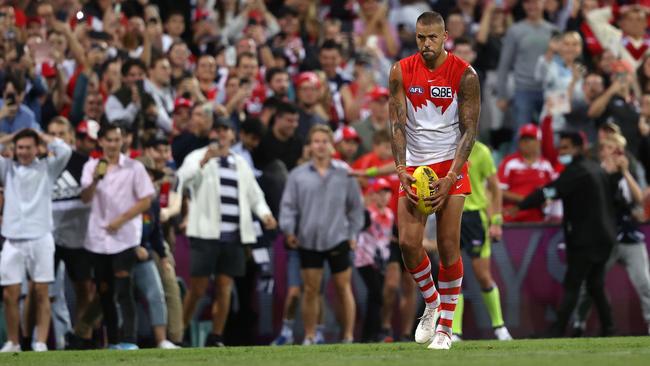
[424, 176]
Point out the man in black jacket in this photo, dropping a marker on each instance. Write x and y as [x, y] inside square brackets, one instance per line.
[587, 193]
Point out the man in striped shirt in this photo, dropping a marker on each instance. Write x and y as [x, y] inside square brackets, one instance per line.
[223, 196]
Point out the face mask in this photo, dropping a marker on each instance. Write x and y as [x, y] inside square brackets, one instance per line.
[565, 159]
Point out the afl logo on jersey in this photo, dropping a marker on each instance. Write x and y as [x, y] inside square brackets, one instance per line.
[441, 92]
[416, 90]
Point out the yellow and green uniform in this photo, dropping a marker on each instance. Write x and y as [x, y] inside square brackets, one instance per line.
[481, 167]
[475, 238]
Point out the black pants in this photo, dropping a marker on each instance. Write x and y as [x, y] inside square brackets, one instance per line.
[113, 290]
[374, 281]
[580, 268]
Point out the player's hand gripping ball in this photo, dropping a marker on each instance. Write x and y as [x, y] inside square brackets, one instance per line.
[424, 177]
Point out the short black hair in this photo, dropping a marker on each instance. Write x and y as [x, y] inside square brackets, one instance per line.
[271, 102]
[463, 40]
[430, 18]
[174, 12]
[105, 128]
[27, 133]
[270, 73]
[104, 67]
[157, 140]
[253, 126]
[331, 45]
[285, 108]
[573, 136]
[17, 79]
[130, 62]
[155, 60]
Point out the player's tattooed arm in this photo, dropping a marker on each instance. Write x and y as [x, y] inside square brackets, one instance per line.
[469, 107]
[397, 115]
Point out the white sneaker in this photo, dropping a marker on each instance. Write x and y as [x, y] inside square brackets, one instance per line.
[10, 346]
[502, 334]
[440, 341]
[39, 347]
[427, 325]
[167, 345]
[308, 342]
[455, 338]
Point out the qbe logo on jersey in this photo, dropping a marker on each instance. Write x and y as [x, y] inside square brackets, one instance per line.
[443, 92]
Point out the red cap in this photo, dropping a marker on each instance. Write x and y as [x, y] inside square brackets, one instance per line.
[201, 14]
[381, 184]
[257, 16]
[377, 93]
[307, 77]
[183, 102]
[346, 133]
[530, 130]
[48, 69]
[89, 128]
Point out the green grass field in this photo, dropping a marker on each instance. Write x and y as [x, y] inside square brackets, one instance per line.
[625, 351]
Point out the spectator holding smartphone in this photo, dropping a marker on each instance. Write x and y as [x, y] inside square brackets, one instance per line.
[119, 190]
[14, 116]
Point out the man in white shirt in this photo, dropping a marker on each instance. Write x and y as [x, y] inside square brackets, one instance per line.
[27, 226]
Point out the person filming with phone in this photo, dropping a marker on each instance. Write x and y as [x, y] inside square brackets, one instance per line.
[224, 195]
[15, 116]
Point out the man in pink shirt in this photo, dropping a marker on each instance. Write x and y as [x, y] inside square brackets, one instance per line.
[119, 190]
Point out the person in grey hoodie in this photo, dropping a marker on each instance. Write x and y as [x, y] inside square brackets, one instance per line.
[523, 44]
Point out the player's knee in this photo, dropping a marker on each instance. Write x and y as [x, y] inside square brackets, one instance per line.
[409, 243]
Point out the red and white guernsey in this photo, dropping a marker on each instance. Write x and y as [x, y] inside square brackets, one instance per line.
[432, 132]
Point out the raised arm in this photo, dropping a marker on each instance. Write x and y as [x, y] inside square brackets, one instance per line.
[397, 119]
[469, 107]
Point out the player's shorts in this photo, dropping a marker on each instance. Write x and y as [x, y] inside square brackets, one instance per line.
[460, 187]
[474, 238]
[338, 258]
[34, 257]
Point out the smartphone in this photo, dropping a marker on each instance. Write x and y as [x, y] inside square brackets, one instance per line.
[140, 85]
[243, 81]
[102, 167]
[214, 145]
[11, 99]
[498, 4]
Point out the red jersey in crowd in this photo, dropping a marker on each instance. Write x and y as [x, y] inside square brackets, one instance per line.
[520, 177]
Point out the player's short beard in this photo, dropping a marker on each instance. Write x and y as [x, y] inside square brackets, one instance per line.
[430, 55]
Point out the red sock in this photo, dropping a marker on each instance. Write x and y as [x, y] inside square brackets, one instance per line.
[422, 276]
[450, 280]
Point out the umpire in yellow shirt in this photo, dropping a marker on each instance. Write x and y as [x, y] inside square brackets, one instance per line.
[482, 222]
